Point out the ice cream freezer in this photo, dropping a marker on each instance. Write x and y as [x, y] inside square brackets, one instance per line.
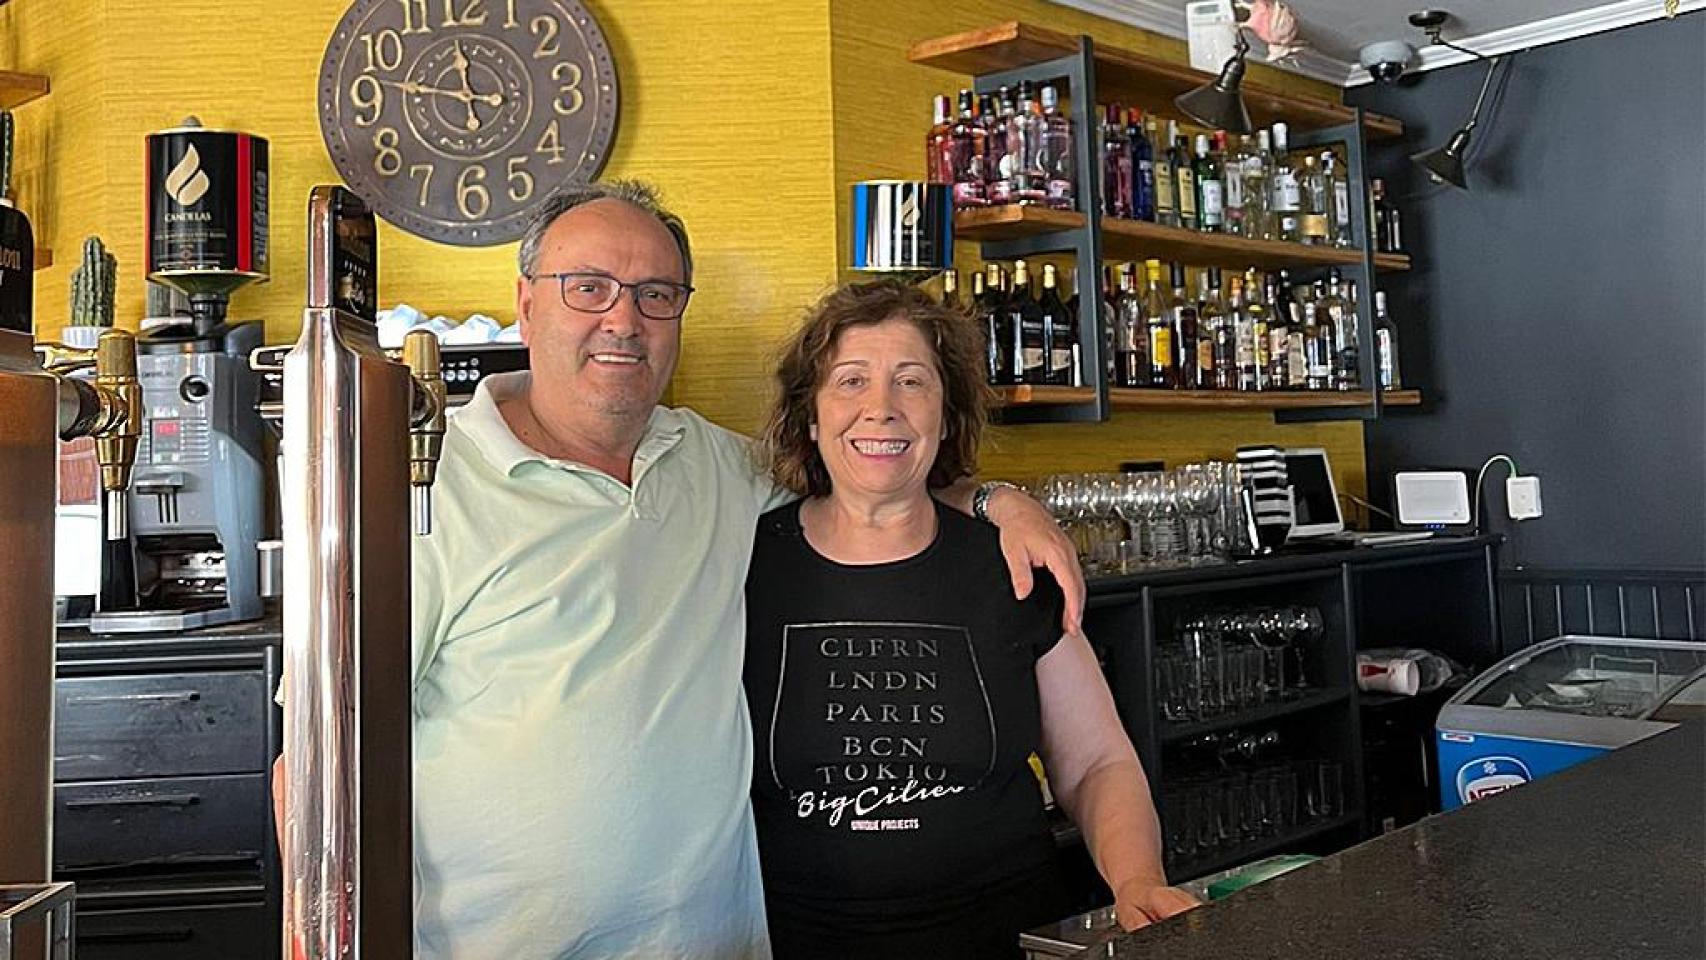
[1558, 703]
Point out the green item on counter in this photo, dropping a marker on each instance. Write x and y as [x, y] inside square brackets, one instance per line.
[1253, 873]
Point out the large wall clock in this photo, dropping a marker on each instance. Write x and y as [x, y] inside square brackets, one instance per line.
[454, 119]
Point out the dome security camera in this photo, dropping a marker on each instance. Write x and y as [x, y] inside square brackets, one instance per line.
[1386, 60]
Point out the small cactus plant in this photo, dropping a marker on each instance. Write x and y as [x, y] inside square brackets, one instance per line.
[92, 286]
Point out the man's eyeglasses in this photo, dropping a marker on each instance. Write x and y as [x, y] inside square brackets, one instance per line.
[597, 293]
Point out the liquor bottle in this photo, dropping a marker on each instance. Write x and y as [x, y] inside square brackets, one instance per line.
[1318, 341]
[1116, 165]
[1184, 178]
[1059, 330]
[1243, 336]
[1000, 157]
[1314, 215]
[1056, 158]
[1025, 132]
[1142, 168]
[1109, 291]
[1030, 349]
[1386, 344]
[1159, 323]
[939, 144]
[1340, 192]
[1389, 232]
[1211, 189]
[1182, 311]
[1341, 306]
[1166, 206]
[1223, 336]
[1131, 338]
[1000, 334]
[1258, 189]
[950, 288]
[1256, 306]
[970, 151]
[1232, 173]
[1296, 358]
[1287, 194]
[1279, 333]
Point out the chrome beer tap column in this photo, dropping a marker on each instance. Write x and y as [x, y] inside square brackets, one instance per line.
[348, 461]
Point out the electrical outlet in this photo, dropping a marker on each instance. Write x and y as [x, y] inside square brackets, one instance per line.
[1522, 497]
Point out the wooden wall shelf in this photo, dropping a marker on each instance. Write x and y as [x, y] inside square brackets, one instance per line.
[1129, 77]
[1140, 240]
[1028, 395]
[1129, 399]
[17, 89]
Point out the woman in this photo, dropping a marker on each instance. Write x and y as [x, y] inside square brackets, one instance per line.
[897, 688]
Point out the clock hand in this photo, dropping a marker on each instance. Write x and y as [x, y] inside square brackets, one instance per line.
[410, 86]
[467, 98]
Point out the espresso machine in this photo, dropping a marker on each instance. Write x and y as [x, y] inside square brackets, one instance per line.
[358, 430]
[39, 406]
[197, 504]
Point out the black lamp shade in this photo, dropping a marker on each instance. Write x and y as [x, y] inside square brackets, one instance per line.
[1445, 164]
[1219, 105]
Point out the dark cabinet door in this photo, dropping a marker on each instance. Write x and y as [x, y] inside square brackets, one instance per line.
[160, 725]
[224, 932]
[196, 820]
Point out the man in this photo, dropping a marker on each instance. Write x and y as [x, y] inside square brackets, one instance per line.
[582, 754]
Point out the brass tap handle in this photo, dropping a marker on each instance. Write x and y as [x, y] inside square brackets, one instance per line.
[426, 426]
[109, 409]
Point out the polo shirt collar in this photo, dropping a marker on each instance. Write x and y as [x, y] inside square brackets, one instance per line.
[484, 424]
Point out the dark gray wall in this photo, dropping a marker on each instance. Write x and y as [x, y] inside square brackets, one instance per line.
[1557, 312]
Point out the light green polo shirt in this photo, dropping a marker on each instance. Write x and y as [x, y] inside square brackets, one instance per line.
[582, 750]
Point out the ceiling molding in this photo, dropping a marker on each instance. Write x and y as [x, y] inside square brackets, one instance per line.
[1167, 17]
[1524, 36]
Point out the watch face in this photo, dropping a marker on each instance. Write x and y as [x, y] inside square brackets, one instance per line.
[454, 119]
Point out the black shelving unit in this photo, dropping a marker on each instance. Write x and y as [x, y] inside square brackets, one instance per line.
[1084, 241]
[1362, 594]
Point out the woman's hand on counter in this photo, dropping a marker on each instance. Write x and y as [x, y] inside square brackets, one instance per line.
[1140, 903]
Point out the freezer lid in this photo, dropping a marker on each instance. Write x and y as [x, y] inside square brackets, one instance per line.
[1587, 676]
[1458, 719]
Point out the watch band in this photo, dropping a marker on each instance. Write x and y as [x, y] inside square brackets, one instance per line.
[980, 499]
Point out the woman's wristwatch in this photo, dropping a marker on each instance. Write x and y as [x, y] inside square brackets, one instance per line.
[980, 499]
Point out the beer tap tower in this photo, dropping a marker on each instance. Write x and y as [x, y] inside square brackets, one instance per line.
[359, 430]
[40, 406]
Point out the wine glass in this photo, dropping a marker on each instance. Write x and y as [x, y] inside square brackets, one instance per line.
[1268, 630]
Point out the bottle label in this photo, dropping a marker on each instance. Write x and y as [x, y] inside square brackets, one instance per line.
[1383, 349]
[1161, 347]
[1187, 193]
[1297, 369]
[1246, 347]
[1213, 203]
[1342, 204]
[1163, 185]
[969, 194]
[1001, 191]
[1315, 226]
[1279, 343]
[1287, 196]
[1205, 358]
[1059, 193]
[1259, 344]
[1234, 187]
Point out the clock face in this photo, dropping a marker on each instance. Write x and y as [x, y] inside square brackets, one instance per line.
[453, 119]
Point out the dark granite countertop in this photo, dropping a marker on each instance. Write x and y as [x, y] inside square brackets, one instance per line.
[1422, 551]
[1603, 861]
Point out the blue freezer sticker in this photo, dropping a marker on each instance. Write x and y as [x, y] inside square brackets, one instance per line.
[1486, 776]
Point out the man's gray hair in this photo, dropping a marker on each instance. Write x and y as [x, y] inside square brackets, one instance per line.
[635, 193]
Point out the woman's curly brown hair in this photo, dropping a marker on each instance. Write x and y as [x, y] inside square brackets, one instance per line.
[789, 453]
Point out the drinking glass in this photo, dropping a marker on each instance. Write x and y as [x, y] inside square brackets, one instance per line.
[1324, 791]
[1267, 629]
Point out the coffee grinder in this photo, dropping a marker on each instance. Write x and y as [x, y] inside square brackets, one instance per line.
[197, 501]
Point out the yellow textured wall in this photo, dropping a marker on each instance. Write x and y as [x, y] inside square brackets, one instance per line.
[718, 107]
[752, 115]
[882, 112]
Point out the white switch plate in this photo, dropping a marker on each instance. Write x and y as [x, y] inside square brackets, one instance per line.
[1522, 497]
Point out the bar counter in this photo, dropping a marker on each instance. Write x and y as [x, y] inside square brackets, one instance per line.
[1605, 860]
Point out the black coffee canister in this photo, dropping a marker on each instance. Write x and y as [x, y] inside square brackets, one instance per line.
[207, 209]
